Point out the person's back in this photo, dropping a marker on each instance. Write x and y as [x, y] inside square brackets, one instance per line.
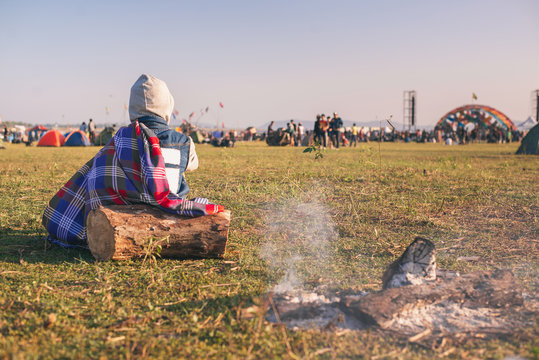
[132, 168]
[152, 104]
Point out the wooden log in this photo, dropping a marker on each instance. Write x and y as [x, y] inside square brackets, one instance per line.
[123, 232]
[497, 289]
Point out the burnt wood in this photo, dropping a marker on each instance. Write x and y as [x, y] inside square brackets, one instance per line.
[498, 289]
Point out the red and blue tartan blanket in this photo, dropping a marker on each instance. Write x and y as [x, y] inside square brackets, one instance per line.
[130, 169]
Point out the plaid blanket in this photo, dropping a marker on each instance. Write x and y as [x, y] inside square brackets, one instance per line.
[130, 169]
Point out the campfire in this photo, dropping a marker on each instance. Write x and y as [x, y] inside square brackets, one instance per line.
[418, 301]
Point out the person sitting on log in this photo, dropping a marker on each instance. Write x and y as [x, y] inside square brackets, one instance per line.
[143, 163]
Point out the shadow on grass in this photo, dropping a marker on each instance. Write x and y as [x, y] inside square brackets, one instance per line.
[32, 247]
[230, 306]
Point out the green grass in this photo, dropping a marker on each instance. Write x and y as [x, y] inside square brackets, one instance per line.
[478, 200]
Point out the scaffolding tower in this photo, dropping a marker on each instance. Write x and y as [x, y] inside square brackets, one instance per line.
[535, 105]
[409, 118]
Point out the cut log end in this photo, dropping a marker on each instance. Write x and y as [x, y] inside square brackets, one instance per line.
[125, 232]
[101, 243]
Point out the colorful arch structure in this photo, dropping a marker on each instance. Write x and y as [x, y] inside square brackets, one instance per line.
[476, 114]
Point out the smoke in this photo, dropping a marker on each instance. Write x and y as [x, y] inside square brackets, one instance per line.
[296, 245]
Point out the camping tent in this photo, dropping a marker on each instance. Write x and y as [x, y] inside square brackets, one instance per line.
[527, 124]
[104, 136]
[77, 138]
[530, 144]
[196, 136]
[52, 138]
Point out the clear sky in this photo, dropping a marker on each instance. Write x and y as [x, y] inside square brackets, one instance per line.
[65, 61]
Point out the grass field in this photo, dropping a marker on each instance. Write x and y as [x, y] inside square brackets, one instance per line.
[475, 200]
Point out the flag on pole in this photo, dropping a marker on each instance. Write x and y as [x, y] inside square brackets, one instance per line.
[223, 124]
[207, 108]
[174, 115]
[474, 96]
[191, 115]
[107, 109]
[221, 104]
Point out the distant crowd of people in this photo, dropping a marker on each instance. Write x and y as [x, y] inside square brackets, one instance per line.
[330, 128]
[293, 133]
[490, 134]
[330, 132]
[14, 135]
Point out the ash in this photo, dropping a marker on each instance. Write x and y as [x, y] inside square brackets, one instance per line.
[301, 310]
[449, 318]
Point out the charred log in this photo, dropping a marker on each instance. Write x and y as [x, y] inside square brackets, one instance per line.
[417, 265]
[497, 289]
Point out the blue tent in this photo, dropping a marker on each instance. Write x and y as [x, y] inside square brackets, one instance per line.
[77, 138]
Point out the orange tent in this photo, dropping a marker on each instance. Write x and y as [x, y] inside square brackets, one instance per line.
[52, 138]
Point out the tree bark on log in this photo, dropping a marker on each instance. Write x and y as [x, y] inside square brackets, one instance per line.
[122, 232]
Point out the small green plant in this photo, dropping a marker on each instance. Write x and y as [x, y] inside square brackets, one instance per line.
[53, 168]
[317, 148]
[152, 250]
